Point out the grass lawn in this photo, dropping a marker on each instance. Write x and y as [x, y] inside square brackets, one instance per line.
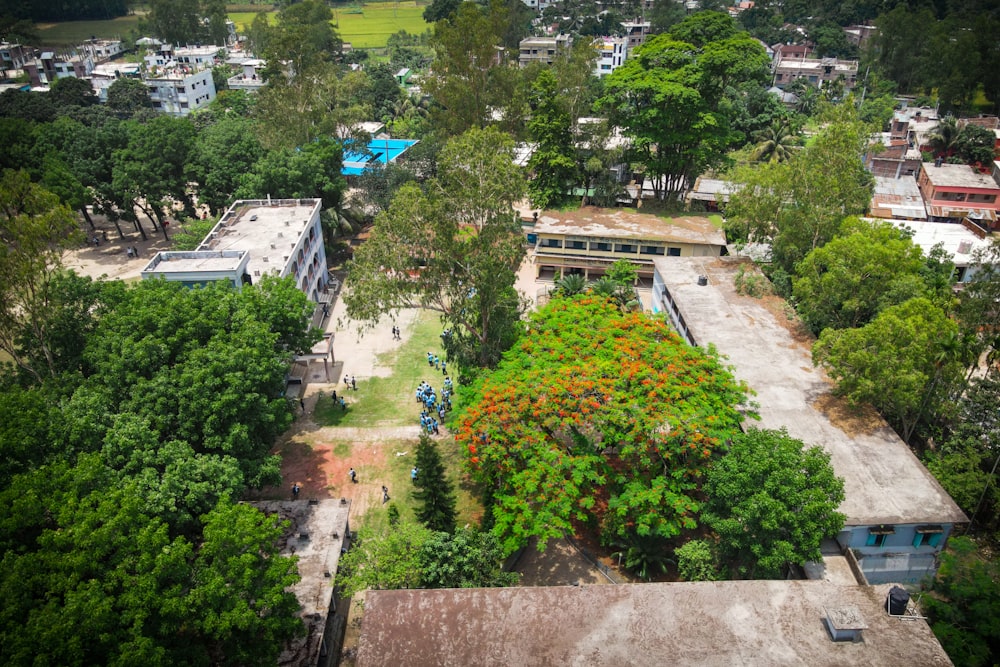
[389, 401]
[71, 33]
[716, 220]
[378, 20]
[366, 28]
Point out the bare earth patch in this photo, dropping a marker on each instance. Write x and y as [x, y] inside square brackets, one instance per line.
[850, 419]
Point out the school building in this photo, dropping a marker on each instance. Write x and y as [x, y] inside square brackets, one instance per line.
[254, 238]
[587, 241]
[898, 517]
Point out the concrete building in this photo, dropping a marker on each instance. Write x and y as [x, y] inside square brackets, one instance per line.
[255, 237]
[195, 268]
[249, 78]
[317, 534]
[179, 90]
[542, 49]
[611, 54]
[106, 74]
[898, 517]
[50, 66]
[636, 32]
[589, 240]
[957, 193]
[703, 624]
[820, 72]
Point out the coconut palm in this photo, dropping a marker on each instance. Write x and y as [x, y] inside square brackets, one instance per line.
[944, 135]
[776, 143]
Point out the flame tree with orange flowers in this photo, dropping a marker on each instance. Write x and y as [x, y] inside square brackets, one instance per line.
[597, 417]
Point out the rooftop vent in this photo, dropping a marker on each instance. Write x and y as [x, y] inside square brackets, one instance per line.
[281, 235]
[287, 222]
[264, 258]
[256, 273]
[273, 247]
[845, 624]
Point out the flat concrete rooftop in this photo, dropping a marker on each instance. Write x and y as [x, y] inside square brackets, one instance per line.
[316, 535]
[884, 482]
[268, 231]
[745, 623]
[624, 224]
[165, 263]
[958, 176]
[957, 241]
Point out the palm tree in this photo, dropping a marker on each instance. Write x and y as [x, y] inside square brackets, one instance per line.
[570, 284]
[776, 143]
[943, 137]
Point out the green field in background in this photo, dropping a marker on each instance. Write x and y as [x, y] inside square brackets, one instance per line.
[71, 33]
[364, 26]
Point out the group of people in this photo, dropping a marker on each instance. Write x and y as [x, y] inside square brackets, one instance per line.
[132, 252]
[437, 363]
[432, 416]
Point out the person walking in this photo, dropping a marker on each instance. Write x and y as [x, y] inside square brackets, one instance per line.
[354, 384]
[295, 490]
[353, 475]
[385, 494]
[413, 474]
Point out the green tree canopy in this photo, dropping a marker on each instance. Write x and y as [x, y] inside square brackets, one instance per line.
[597, 416]
[670, 98]
[965, 603]
[772, 501]
[904, 362]
[453, 247]
[34, 230]
[849, 280]
[798, 205]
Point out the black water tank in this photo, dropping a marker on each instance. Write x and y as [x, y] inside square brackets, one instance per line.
[897, 600]
[702, 280]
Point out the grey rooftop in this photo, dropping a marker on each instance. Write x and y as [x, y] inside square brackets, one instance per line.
[884, 482]
[743, 623]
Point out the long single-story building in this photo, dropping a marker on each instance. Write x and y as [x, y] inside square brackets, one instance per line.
[708, 624]
[590, 239]
[898, 517]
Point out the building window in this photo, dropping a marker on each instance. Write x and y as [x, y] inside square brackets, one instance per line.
[673, 252]
[625, 247]
[652, 250]
[576, 245]
[877, 535]
[551, 243]
[928, 535]
[603, 247]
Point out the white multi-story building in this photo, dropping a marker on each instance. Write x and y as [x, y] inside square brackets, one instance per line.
[611, 54]
[179, 90]
[255, 237]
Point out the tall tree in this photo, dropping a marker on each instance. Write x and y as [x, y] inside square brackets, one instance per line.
[601, 417]
[904, 362]
[798, 205]
[127, 96]
[965, 603]
[222, 153]
[553, 161]
[470, 75]
[453, 248]
[150, 173]
[772, 502]
[849, 280]
[434, 491]
[670, 98]
[34, 230]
